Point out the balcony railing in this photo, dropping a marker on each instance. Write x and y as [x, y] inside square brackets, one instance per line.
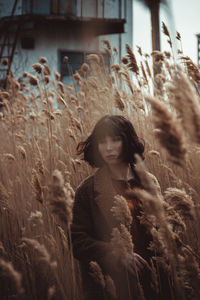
[99, 9]
[102, 9]
[100, 16]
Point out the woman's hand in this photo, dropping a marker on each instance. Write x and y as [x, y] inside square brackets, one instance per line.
[135, 264]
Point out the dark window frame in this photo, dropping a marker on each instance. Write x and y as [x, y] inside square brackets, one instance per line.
[27, 42]
[62, 53]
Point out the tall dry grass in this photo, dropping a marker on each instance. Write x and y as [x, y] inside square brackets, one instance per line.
[41, 123]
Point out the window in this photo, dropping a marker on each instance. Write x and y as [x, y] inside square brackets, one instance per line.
[75, 61]
[36, 7]
[27, 43]
[63, 7]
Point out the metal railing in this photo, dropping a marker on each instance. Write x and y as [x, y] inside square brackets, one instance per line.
[122, 8]
[99, 9]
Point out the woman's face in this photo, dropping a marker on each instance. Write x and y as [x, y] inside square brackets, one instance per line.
[110, 148]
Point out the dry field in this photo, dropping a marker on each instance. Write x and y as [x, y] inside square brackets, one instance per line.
[41, 123]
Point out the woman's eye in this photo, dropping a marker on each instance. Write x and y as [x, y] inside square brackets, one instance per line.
[102, 141]
[116, 138]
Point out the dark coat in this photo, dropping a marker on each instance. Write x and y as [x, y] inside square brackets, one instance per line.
[91, 230]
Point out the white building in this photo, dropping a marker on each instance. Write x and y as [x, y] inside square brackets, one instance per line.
[198, 49]
[57, 28]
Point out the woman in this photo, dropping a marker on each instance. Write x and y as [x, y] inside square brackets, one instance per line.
[111, 148]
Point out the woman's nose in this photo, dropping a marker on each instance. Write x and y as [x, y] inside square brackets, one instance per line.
[108, 145]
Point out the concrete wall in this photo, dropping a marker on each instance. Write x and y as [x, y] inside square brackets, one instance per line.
[39, 7]
[7, 5]
[48, 43]
[50, 40]
[120, 40]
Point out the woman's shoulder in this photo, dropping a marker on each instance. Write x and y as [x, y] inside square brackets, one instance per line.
[86, 184]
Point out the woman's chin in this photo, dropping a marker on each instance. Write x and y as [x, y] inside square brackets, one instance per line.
[112, 162]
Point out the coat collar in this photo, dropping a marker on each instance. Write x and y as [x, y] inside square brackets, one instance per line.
[105, 193]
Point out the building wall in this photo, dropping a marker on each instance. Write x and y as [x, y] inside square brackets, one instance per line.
[50, 40]
[39, 7]
[49, 43]
[7, 5]
[106, 9]
[84, 8]
[120, 40]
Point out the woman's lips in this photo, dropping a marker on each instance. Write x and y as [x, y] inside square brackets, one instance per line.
[112, 156]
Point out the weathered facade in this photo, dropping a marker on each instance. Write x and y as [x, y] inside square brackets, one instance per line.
[198, 49]
[30, 29]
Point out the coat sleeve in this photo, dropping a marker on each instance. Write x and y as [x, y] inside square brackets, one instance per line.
[86, 247]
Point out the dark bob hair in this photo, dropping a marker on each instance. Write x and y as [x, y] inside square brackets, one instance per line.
[112, 125]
